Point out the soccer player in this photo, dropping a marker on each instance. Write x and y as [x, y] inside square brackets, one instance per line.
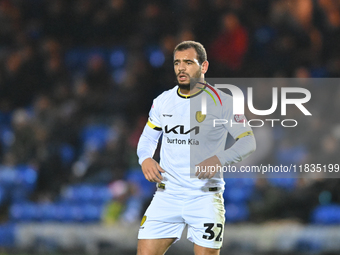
[188, 191]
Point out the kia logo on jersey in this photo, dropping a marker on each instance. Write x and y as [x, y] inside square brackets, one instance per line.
[181, 130]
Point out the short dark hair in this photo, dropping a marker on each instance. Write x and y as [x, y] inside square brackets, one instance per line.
[200, 50]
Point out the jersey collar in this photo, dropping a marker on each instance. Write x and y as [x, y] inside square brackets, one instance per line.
[189, 96]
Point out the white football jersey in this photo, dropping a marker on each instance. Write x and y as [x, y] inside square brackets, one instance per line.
[189, 137]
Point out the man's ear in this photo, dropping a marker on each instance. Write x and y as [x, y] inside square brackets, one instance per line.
[205, 66]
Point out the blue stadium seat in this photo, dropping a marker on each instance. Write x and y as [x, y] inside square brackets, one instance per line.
[8, 176]
[18, 182]
[290, 155]
[76, 59]
[27, 176]
[48, 212]
[67, 153]
[117, 57]
[19, 194]
[68, 213]
[6, 136]
[103, 194]
[23, 184]
[307, 246]
[326, 214]
[239, 182]
[285, 183]
[77, 194]
[92, 212]
[56, 212]
[236, 213]
[237, 194]
[136, 176]
[94, 137]
[7, 235]
[155, 56]
[87, 193]
[24, 212]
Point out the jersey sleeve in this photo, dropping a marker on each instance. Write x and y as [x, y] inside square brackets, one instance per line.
[237, 124]
[154, 116]
[148, 141]
[237, 127]
[241, 149]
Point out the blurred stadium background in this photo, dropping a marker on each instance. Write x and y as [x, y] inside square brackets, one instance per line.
[77, 79]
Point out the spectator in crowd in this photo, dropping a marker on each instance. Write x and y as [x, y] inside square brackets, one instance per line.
[229, 48]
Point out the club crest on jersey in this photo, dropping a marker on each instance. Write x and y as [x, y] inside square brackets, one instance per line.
[240, 118]
[200, 117]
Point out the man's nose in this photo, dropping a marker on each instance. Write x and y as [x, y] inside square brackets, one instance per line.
[181, 67]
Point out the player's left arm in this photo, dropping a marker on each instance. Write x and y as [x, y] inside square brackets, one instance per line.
[243, 134]
[245, 145]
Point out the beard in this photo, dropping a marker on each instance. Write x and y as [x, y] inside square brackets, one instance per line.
[186, 86]
[193, 81]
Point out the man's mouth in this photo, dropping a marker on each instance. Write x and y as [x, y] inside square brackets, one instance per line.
[182, 77]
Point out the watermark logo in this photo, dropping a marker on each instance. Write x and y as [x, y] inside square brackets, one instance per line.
[239, 101]
[204, 99]
[280, 97]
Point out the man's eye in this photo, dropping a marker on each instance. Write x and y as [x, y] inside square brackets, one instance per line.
[189, 63]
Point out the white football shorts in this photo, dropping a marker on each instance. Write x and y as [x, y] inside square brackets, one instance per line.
[168, 214]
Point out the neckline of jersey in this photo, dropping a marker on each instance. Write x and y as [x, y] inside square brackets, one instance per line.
[189, 96]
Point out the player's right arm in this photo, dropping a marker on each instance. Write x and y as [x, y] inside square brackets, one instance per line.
[147, 145]
[146, 148]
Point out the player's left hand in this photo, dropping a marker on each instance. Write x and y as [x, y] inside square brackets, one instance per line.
[207, 165]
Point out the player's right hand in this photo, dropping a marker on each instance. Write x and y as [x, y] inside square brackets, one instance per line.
[152, 170]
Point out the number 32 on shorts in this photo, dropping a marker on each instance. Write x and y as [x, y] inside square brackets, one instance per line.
[211, 233]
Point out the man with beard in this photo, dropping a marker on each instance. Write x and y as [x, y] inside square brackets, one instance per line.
[185, 196]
